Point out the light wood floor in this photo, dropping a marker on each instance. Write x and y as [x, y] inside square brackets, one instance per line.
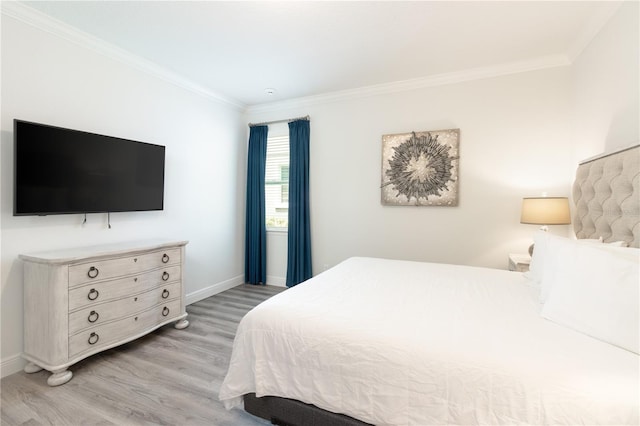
[169, 377]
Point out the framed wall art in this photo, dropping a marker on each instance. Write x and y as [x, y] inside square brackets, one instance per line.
[420, 168]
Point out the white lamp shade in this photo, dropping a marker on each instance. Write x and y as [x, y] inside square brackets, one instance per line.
[545, 211]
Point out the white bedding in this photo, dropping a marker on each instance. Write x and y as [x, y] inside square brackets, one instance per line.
[398, 343]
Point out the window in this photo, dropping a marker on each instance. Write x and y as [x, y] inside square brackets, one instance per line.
[276, 190]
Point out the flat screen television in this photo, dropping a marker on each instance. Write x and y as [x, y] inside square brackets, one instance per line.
[63, 171]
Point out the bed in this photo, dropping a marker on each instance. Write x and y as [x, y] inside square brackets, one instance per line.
[390, 342]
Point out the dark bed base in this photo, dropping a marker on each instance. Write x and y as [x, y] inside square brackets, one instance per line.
[289, 412]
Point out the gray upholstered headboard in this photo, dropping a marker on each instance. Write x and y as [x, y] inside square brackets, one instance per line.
[606, 194]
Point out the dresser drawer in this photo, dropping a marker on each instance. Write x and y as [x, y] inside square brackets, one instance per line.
[105, 312]
[106, 334]
[119, 267]
[103, 291]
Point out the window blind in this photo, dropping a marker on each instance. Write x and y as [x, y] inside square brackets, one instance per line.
[277, 182]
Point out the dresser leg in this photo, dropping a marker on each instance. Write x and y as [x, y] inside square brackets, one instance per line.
[59, 378]
[183, 323]
[32, 368]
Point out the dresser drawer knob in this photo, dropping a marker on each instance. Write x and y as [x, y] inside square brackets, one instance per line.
[93, 338]
[165, 276]
[93, 316]
[93, 272]
[165, 311]
[135, 259]
[165, 293]
[165, 258]
[93, 294]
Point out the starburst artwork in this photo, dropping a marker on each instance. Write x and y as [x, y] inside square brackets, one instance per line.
[420, 168]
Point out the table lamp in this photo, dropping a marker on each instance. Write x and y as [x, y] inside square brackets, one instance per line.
[545, 211]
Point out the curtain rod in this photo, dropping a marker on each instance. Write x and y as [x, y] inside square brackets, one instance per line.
[306, 117]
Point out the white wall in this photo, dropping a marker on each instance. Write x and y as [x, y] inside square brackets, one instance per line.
[520, 135]
[50, 80]
[515, 142]
[605, 86]
[277, 258]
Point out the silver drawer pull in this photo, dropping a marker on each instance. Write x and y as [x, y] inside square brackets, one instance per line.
[93, 272]
[93, 294]
[165, 276]
[165, 293]
[93, 338]
[93, 316]
[165, 258]
[165, 311]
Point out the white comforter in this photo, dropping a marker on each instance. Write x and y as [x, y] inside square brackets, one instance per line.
[398, 343]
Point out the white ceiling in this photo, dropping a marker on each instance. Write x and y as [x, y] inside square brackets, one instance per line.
[237, 49]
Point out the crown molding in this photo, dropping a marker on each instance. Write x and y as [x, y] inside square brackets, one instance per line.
[417, 83]
[53, 26]
[591, 29]
[41, 21]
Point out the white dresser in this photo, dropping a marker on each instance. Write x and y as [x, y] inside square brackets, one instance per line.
[78, 302]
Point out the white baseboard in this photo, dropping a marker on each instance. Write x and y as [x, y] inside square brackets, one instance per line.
[198, 295]
[276, 281]
[11, 365]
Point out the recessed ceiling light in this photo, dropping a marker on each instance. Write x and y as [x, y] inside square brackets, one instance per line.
[269, 91]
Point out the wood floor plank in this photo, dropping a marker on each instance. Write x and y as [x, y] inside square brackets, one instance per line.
[169, 377]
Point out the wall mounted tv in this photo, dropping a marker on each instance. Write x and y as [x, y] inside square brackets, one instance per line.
[63, 171]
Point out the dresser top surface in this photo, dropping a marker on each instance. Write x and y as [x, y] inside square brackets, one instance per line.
[73, 254]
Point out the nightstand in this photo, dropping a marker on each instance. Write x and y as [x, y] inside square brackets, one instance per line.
[519, 262]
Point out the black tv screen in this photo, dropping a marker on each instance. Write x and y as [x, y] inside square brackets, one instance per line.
[61, 171]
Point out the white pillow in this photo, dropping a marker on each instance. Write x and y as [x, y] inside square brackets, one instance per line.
[594, 289]
[592, 240]
[601, 241]
[538, 257]
[618, 244]
[541, 261]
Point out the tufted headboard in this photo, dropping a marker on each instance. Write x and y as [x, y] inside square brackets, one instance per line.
[606, 194]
